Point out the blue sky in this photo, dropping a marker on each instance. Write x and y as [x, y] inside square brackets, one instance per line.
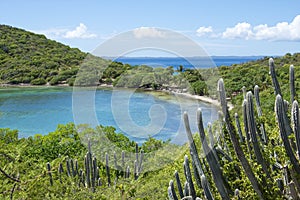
[228, 27]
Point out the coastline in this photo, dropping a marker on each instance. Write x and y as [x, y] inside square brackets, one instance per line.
[205, 99]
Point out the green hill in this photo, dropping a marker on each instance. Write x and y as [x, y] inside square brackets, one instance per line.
[27, 57]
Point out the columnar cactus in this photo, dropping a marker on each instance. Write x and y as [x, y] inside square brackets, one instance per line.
[281, 119]
[206, 188]
[252, 130]
[296, 124]
[238, 125]
[246, 128]
[292, 83]
[49, 173]
[171, 191]
[273, 76]
[188, 176]
[107, 169]
[259, 112]
[212, 161]
[238, 150]
[178, 182]
[192, 145]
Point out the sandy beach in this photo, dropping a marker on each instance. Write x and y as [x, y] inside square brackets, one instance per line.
[202, 98]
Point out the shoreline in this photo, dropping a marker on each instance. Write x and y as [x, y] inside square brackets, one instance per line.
[205, 99]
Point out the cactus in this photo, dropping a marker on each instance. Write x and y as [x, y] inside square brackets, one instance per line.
[186, 190]
[238, 150]
[273, 76]
[281, 119]
[238, 125]
[178, 182]
[259, 112]
[237, 194]
[127, 174]
[292, 83]
[171, 189]
[246, 128]
[136, 173]
[49, 173]
[296, 124]
[189, 177]
[244, 91]
[60, 171]
[206, 188]
[107, 169]
[192, 145]
[123, 160]
[68, 166]
[293, 191]
[212, 161]
[252, 130]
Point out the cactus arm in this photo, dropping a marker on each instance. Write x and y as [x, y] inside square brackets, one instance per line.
[296, 124]
[189, 177]
[273, 76]
[292, 83]
[178, 182]
[259, 112]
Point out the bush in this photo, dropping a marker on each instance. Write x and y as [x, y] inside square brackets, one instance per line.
[38, 81]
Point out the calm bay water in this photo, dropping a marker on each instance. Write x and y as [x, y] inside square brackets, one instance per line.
[39, 110]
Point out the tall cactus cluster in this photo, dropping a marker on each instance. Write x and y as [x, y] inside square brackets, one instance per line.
[271, 173]
[89, 176]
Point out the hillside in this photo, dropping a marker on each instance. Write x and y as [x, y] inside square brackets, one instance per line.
[27, 57]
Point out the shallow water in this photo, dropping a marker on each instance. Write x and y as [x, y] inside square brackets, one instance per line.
[136, 114]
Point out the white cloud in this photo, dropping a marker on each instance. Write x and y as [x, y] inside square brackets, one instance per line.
[241, 30]
[204, 30]
[79, 32]
[148, 32]
[283, 31]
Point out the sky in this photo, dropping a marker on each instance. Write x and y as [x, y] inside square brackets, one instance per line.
[221, 28]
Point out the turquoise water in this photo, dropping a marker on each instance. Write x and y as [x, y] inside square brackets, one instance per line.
[40, 109]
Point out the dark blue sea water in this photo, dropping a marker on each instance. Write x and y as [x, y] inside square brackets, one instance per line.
[189, 62]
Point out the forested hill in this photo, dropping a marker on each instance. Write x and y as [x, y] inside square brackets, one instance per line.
[26, 57]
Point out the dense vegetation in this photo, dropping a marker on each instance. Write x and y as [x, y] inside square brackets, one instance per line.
[25, 174]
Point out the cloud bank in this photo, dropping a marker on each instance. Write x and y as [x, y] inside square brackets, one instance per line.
[282, 31]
